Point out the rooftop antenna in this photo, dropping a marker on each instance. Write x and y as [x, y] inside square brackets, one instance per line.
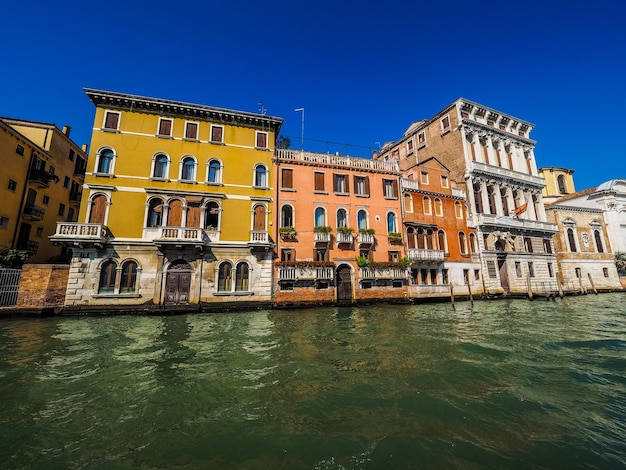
[302, 134]
[262, 109]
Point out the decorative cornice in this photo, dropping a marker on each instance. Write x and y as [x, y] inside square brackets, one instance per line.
[472, 126]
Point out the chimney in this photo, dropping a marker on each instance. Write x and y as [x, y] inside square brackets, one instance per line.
[66, 130]
[84, 148]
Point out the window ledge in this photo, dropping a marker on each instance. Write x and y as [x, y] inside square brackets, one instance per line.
[233, 294]
[155, 178]
[289, 190]
[421, 146]
[362, 195]
[130, 295]
[265, 149]
[187, 139]
[394, 198]
[317, 191]
[106, 129]
[213, 183]
[104, 175]
[260, 187]
[339, 193]
[165, 136]
[216, 142]
[188, 181]
[445, 131]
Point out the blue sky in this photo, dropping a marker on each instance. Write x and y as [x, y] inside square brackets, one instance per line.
[363, 70]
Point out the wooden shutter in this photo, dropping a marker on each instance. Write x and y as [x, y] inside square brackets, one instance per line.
[216, 134]
[193, 216]
[98, 209]
[261, 140]
[175, 214]
[191, 130]
[367, 185]
[347, 181]
[394, 188]
[287, 178]
[111, 120]
[165, 127]
[259, 218]
[319, 181]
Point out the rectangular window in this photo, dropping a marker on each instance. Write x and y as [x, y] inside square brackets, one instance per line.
[111, 120]
[46, 200]
[547, 246]
[286, 254]
[217, 134]
[191, 130]
[433, 276]
[319, 181]
[51, 170]
[421, 139]
[71, 155]
[409, 146]
[165, 127]
[70, 214]
[4, 222]
[12, 186]
[66, 182]
[531, 269]
[394, 256]
[61, 209]
[578, 273]
[287, 178]
[445, 124]
[390, 189]
[528, 244]
[491, 269]
[518, 269]
[444, 181]
[550, 270]
[261, 140]
[424, 177]
[477, 274]
[444, 276]
[606, 272]
[362, 185]
[19, 149]
[341, 184]
[39, 232]
[321, 255]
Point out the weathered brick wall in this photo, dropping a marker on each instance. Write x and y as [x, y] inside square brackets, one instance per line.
[382, 293]
[303, 296]
[42, 286]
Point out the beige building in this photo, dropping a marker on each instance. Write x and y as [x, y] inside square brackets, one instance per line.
[559, 183]
[491, 156]
[42, 178]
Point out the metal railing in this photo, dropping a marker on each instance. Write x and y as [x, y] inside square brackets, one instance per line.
[34, 211]
[9, 286]
[336, 160]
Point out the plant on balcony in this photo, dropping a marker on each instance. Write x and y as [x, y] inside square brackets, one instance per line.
[210, 228]
[362, 262]
[394, 236]
[620, 263]
[287, 232]
[322, 229]
[406, 262]
[306, 264]
[346, 230]
[367, 231]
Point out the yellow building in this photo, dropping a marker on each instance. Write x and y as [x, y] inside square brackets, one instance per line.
[42, 177]
[559, 183]
[176, 205]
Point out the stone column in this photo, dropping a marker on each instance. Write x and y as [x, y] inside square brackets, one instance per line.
[498, 199]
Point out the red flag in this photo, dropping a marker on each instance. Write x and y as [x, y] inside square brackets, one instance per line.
[521, 209]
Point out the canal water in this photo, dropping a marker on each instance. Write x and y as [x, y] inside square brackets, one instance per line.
[500, 384]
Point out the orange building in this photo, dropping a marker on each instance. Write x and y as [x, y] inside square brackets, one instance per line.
[338, 236]
[439, 243]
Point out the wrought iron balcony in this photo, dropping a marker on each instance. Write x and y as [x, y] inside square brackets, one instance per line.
[41, 177]
[34, 212]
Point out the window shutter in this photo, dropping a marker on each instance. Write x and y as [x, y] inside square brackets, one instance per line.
[165, 127]
[367, 185]
[319, 181]
[111, 120]
[287, 178]
[394, 186]
[347, 181]
[335, 181]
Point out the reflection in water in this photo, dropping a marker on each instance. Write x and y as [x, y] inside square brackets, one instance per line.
[510, 384]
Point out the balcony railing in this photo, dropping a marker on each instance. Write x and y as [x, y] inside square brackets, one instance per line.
[336, 160]
[40, 177]
[259, 236]
[321, 237]
[77, 233]
[32, 247]
[366, 239]
[419, 254]
[296, 273]
[410, 184]
[191, 234]
[500, 172]
[383, 273]
[34, 212]
[344, 238]
[526, 224]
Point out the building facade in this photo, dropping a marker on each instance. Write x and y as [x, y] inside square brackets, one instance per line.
[43, 172]
[176, 207]
[491, 156]
[339, 230]
[442, 248]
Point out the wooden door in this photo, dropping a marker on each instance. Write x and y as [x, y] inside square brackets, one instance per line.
[175, 214]
[178, 283]
[98, 209]
[504, 275]
[344, 284]
[259, 218]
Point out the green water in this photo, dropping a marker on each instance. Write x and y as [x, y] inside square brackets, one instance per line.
[502, 384]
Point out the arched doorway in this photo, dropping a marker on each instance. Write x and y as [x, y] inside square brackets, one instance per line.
[178, 283]
[259, 218]
[344, 284]
[98, 209]
[500, 247]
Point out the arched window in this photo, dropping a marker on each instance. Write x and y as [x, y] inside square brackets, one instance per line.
[260, 176]
[129, 277]
[408, 202]
[107, 277]
[342, 218]
[598, 239]
[224, 277]
[212, 216]
[478, 199]
[188, 169]
[98, 209]
[286, 216]
[155, 212]
[241, 277]
[392, 225]
[571, 239]
[421, 239]
[438, 207]
[561, 182]
[215, 171]
[462, 245]
[175, 213]
[320, 217]
[362, 219]
[259, 213]
[458, 210]
[430, 239]
[105, 161]
[472, 242]
[427, 206]
[410, 237]
[160, 166]
[441, 238]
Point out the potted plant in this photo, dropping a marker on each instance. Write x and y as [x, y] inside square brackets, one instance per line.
[362, 261]
[346, 230]
[287, 232]
[394, 236]
[322, 229]
[367, 231]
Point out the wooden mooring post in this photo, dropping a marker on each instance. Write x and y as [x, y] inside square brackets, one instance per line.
[593, 286]
[452, 294]
[530, 289]
[469, 289]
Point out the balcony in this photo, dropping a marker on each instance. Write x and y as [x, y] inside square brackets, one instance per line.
[78, 234]
[288, 155]
[34, 212]
[75, 197]
[410, 184]
[424, 255]
[365, 238]
[344, 238]
[180, 237]
[511, 175]
[321, 237]
[513, 222]
[304, 273]
[41, 178]
[260, 239]
[383, 273]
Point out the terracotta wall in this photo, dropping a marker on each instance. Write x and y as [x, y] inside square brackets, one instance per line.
[42, 286]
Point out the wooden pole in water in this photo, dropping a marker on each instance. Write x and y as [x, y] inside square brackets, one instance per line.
[559, 286]
[592, 284]
[580, 283]
[469, 289]
[530, 289]
[452, 294]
